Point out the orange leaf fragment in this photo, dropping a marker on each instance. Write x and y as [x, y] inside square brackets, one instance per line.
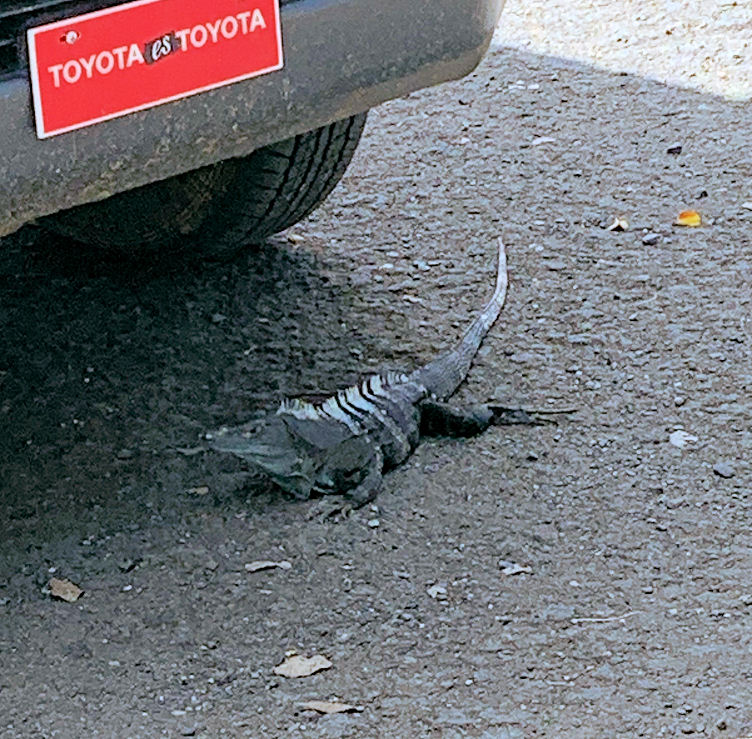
[688, 218]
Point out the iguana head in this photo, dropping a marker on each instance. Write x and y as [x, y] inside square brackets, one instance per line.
[274, 450]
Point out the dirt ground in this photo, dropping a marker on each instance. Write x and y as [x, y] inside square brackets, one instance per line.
[630, 613]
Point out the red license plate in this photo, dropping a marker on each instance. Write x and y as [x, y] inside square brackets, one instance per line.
[105, 64]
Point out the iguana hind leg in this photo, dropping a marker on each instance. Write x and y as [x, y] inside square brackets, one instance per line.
[442, 419]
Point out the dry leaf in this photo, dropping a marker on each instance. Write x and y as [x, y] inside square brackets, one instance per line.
[266, 564]
[620, 224]
[297, 666]
[329, 707]
[681, 438]
[688, 218]
[64, 589]
[512, 568]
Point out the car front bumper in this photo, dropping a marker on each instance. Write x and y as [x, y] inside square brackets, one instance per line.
[341, 57]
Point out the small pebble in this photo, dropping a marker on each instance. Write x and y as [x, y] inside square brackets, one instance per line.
[681, 438]
[723, 469]
[650, 239]
[374, 523]
[437, 591]
[674, 149]
[679, 401]
[558, 612]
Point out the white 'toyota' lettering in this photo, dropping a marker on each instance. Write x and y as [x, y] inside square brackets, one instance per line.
[125, 57]
[105, 62]
[134, 56]
[182, 36]
[120, 54]
[55, 72]
[243, 17]
[71, 71]
[88, 65]
[257, 21]
[198, 36]
[229, 27]
[214, 29]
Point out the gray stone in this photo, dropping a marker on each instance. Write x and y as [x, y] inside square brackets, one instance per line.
[503, 732]
[723, 469]
[558, 612]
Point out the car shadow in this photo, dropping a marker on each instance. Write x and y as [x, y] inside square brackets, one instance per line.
[112, 372]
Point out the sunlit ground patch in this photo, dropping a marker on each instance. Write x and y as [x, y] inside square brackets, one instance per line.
[689, 43]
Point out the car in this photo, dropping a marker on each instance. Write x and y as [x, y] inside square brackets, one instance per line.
[162, 125]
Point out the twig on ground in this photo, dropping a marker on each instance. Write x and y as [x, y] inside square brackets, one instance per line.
[603, 619]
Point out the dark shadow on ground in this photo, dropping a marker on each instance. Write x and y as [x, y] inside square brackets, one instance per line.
[108, 370]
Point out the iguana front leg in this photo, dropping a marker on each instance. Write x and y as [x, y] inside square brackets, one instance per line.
[442, 419]
[364, 492]
[369, 488]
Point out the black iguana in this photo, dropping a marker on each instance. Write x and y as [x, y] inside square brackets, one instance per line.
[344, 444]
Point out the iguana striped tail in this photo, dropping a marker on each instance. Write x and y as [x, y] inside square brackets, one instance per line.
[445, 374]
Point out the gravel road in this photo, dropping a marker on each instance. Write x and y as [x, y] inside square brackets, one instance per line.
[589, 578]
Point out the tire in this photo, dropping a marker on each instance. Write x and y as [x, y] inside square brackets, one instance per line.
[217, 209]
